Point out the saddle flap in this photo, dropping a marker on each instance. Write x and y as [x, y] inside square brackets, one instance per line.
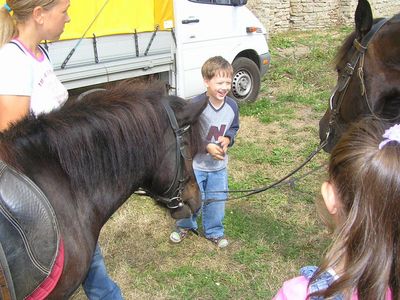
[29, 230]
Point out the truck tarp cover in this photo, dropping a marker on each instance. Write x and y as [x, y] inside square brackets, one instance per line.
[117, 17]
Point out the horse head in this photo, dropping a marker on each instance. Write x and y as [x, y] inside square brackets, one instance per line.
[368, 67]
[164, 135]
[174, 184]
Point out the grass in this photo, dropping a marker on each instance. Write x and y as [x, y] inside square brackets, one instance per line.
[271, 234]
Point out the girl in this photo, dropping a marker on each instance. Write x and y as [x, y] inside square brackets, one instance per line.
[363, 197]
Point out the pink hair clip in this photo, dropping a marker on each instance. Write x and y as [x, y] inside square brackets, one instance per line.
[391, 135]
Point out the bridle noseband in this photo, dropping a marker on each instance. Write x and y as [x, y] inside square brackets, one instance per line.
[343, 83]
[172, 197]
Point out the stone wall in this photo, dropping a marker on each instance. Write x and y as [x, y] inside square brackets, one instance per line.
[283, 15]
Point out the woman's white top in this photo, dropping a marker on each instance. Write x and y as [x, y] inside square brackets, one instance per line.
[22, 74]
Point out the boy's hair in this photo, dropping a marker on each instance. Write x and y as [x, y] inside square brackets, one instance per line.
[216, 65]
[367, 182]
[21, 10]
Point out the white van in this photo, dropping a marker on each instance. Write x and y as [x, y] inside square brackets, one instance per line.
[169, 39]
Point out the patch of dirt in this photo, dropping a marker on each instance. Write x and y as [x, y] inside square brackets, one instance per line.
[253, 130]
[297, 52]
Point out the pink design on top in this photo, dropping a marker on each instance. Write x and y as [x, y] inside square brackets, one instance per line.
[297, 289]
[39, 59]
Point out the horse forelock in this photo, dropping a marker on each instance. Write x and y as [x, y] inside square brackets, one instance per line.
[341, 55]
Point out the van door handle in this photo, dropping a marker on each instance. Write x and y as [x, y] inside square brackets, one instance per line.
[190, 21]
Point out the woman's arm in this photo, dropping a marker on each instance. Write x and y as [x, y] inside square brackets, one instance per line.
[12, 109]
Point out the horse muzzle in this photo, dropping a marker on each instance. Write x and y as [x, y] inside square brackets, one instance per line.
[181, 212]
[188, 208]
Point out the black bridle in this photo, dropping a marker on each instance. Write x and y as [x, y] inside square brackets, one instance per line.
[172, 196]
[339, 92]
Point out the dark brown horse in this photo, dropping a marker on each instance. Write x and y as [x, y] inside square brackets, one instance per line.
[89, 156]
[368, 66]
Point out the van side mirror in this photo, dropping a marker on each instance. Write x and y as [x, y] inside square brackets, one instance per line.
[239, 2]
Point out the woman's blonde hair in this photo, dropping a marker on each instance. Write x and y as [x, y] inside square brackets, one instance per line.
[18, 11]
[367, 181]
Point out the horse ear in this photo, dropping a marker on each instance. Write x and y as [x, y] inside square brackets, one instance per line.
[363, 19]
[192, 111]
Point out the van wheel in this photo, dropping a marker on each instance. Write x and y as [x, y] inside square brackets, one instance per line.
[246, 80]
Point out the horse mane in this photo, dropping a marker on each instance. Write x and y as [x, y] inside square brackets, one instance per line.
[106, 140]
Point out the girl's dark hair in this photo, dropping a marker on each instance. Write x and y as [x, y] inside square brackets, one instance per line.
[366, 244]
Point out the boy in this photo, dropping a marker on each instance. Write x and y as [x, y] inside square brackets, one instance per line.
[221, 126]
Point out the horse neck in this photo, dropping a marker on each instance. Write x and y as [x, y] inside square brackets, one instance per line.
[105, 196]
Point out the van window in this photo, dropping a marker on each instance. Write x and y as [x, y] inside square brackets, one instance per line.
[220, 2]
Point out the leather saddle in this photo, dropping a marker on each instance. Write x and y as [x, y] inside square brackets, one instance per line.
[29, 234]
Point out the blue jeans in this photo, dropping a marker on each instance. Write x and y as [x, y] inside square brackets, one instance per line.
[213, 212]
[97, 284]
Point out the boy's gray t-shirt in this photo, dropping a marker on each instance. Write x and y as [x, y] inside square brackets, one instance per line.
[223, 121]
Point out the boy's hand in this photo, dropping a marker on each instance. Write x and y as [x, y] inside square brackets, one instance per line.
[224, 143]
[216, 151]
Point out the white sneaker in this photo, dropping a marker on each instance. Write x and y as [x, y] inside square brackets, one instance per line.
[221, 242]
[178, 235]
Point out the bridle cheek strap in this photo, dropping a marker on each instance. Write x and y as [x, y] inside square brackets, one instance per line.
[172, 196]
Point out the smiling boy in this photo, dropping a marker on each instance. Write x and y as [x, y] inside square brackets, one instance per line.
[221, 126]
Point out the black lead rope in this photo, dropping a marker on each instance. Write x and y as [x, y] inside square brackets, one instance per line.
[251, 192]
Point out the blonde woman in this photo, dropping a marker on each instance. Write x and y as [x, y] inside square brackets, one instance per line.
[28, 85]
